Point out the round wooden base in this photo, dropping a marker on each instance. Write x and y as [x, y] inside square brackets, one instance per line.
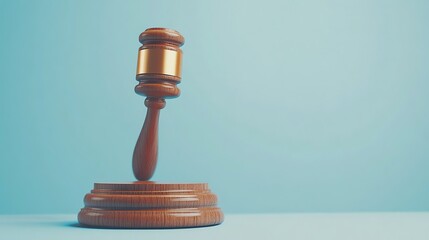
[150, 205]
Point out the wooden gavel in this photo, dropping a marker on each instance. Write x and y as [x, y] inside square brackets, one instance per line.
[148, 204]
[158, 73]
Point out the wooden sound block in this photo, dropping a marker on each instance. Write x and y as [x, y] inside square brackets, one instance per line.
[146, 204]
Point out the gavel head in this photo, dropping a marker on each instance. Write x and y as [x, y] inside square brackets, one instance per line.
[159, 63]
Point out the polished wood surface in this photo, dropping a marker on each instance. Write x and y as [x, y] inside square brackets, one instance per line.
[145, 153]
[157, 75]
[147, 204]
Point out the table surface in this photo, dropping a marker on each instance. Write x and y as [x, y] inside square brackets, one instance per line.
[236, 226]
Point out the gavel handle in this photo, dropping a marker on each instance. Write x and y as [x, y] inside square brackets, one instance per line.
[145, 153]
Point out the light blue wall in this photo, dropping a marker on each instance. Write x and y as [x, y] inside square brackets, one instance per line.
[286, 106]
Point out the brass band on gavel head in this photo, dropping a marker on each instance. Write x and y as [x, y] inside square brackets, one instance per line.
[160, 57]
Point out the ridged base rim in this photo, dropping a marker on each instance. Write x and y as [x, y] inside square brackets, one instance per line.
[145, 204]
[155, 218]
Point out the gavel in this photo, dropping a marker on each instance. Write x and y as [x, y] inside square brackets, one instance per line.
[148, 204]
[158, 73]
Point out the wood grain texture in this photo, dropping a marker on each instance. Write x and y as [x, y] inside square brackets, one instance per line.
[145, 155]
[150, 205]
[156, 85]
[145, 204]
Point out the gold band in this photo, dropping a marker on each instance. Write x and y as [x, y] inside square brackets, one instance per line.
[159, 61]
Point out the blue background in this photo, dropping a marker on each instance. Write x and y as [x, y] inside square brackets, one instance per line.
[286, 106]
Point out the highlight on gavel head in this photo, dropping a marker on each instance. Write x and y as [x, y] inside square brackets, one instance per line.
[159, 63]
